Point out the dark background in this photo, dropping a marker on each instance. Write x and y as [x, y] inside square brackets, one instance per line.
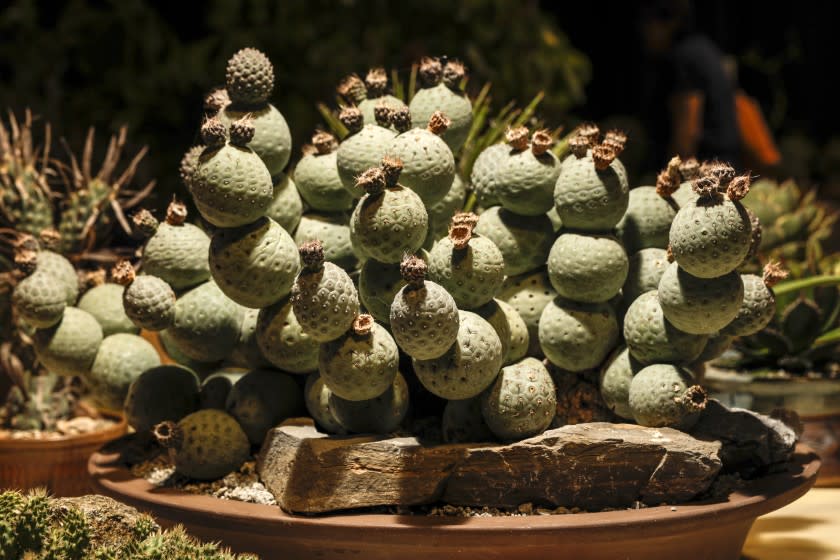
[147, 64]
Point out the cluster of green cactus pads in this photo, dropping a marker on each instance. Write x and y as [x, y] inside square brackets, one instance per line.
[38, 527]
[355, 285]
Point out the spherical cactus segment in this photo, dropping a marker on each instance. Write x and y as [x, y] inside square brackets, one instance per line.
[121, 358]
[351, 118]
[105, 303]
[249, 77]
[755, 235]
[148, 301]
[522, 401]
[525, 241]
[189, 164]
[430, 71]
[759, 304]
[177, 253]
[653, 339]
[587, 267]
[577, 336]
[214, 133]
[454, 73]
[161, 393]
[242, 131]
[352, 89]
[376, 81]
[700, 305]
[438, 123]
[282, 340]
[312, 255]
[401, 119]
[579, 145]
[39, 300]
[145, 223]
[206, 324]
[603, 156]
[262, 399]
[541, 142]
[517, 138]
[216, 100]
[382, 114]
[316, 395]
[69, 347]
[615, 378]
[391, 167]
[380, 415]
[663, 395]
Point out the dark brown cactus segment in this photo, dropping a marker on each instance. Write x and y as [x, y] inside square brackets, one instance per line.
[123, 273]
[438, 123]
[214, 133]
[453, 74]
[591, 132]
[376, 81]
[242, 131]
[352, 119]
[461, 229]
[362, 324]
[401, 119]
[616, 139]
[145, 223]
[352, 89]
[541, 142]
[773, 274]
[312, 255]
[430, 71]
[579, 145]
[324, 142]
[413, 270]
[517, 138]
[176, 213]
[216, 100]
[392, 167]
[168, 434]
[603, 156]
[373, 181]
[738, 187]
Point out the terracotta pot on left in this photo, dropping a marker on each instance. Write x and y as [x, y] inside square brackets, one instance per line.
[58, 464]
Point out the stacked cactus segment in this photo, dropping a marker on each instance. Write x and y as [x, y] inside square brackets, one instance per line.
[357, 288]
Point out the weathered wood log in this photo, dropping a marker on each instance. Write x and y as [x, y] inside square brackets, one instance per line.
[591, 466]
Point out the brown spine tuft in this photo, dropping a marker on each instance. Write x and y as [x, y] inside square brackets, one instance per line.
[145, 223]
[517, 137]
[738, 187]
[591, 132]
[392, 167]
[376, 81]
[453, 74]
[362, 324]
[401, 119]
[438, 123]
[324, 142]
[50, 239]
[168, 434]
[707, 187]
[669, 253]
[352, 89]
[723, 171]
[461, 229]
[373, 181]
[616, 139]
[689, 169]
[603, 156]
[352, 119]
[213, 132]
[242, 131]
[430, 71]
[176, 213]
[413, 271]
[123, 273]
[216, 100]
[668, 180]
[579, 145]
[312, 254]
[541, 142]
[773, 274]
[26, 258]
[694, 399]
[382, 114]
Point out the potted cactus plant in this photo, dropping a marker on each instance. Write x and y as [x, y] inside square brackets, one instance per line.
[66, 341]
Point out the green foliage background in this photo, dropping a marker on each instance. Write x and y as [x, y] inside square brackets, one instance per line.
[110, 62]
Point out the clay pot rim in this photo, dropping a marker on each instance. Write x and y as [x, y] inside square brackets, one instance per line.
[71, 440]
[758, 497]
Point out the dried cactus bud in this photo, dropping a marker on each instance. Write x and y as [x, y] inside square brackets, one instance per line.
[376, 81]
[213, 132]
[708, 187]
[453, 74]
[669, 253]
[242, 131]
[689, 169]
[373, 181]
[413, 270]
[430, 71]
[123, 273]
[189, 165]
[603, 156]
[216, 100]
[401, 119]
[308, 150]
[723, 171]
[438, 123]
[324, 142]
[50, 239]
[352, 119]
[591, 132]
[176, 213]
[615, 139]
[392, 167]
[773, 274]
[382, 114]
[26, 260]
[517, 137]
[461, 229]
[168, 434]
[738, 187]
[541, 142]
[362, 324]
[312, 254]
[352, 89]
[145, 223]
[579, 145]
[668, 180]
[694, 399]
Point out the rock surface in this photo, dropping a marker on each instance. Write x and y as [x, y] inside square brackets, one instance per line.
[112, 523]
[749, 441]
[590, 466]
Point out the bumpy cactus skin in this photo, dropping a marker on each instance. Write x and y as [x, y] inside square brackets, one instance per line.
[206, 325]
[105, 303]
[615, 378]
[653, 339]
[522, 401]
[587, 268]
[120, 360]
[161, 393]
[380, 415]
[665, 395]
[577, 336]
[69, 347]
[699, 305]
